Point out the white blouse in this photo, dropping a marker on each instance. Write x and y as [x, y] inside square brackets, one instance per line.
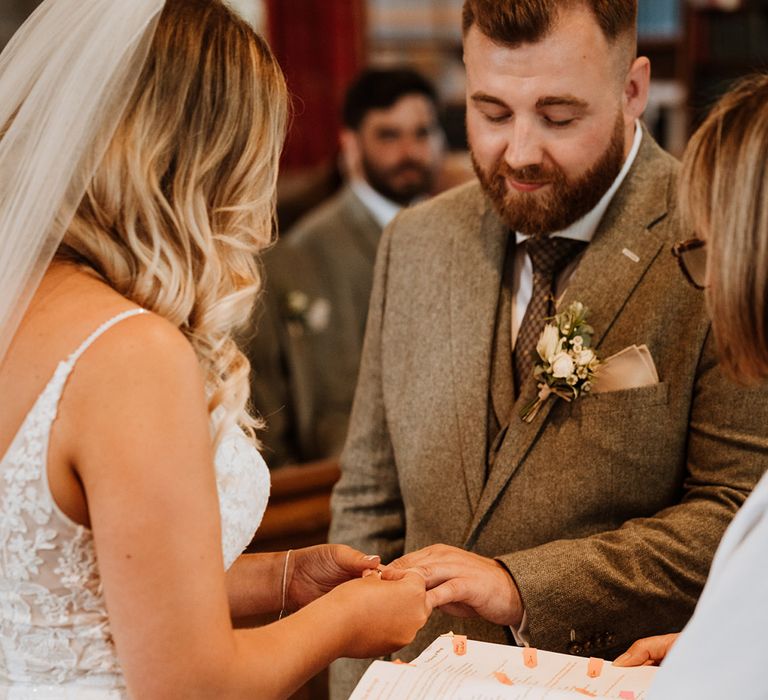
[722, 652]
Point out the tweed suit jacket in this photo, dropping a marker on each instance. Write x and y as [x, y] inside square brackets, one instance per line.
[305, 361]
[606, 511]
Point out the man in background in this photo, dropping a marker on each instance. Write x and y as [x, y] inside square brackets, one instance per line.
[309, 332]
[595, 522]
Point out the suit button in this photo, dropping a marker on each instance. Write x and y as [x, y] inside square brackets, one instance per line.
[575, 648]
[610, 639]
[587, 647]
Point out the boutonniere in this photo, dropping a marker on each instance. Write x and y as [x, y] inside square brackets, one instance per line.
[303, 313]
[564, 364]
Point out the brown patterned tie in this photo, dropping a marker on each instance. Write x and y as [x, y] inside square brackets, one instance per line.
[548, 256]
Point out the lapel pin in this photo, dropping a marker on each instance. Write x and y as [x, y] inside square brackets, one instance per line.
[632, 256]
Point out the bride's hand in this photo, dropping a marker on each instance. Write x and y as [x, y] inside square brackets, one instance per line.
[314, 571]
[378, 617]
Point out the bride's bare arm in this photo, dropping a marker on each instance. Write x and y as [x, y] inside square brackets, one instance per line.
[139, 442]
[309, 573]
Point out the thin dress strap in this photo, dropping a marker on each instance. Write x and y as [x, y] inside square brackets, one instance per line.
[103, 328]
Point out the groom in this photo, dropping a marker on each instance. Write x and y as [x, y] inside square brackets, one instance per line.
[596, 523]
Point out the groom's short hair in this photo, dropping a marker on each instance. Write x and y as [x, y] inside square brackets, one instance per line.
[515, 22]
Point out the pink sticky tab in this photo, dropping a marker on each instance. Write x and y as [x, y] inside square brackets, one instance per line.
[459, 644]
[503, 678]
[595, 667]
[530, 658]
[627, 695]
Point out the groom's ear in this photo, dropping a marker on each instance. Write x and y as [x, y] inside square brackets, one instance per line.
[636, 86]
[351, 153]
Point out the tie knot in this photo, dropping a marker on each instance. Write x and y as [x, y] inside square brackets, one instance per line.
[549, 255]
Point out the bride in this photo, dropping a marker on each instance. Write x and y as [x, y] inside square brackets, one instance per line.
[139, 144]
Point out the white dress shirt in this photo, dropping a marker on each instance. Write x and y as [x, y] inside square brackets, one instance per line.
[381, 208]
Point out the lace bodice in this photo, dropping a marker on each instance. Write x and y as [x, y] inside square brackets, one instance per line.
[55, 639]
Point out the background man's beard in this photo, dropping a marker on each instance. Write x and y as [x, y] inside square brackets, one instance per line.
[382, 181]
[544, 213]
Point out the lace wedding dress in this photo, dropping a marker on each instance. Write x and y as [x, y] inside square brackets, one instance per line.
[55, 640]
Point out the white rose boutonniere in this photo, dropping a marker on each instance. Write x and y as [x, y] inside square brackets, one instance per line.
[562, 365]
[303, 313]
[565, 364]
[549, 342]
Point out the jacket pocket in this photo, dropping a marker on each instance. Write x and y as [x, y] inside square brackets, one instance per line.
[624, 401]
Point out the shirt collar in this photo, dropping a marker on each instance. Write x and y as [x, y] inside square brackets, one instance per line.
[584, 229]
[381, 208]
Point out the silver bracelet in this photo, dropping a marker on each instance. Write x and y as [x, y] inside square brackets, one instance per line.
[285, 583]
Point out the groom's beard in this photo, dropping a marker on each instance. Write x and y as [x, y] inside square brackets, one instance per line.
[541, 213]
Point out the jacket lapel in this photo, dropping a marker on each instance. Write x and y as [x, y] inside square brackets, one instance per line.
[624, 245]
[474, 281]
[621, 251]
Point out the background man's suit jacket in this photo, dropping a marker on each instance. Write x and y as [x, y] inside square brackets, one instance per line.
[305, 362]
[607, 510]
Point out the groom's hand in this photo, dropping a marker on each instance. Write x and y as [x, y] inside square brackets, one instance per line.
[316, 570]
[464, 584]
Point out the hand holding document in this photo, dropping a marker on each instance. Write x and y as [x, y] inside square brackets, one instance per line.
[470, 670]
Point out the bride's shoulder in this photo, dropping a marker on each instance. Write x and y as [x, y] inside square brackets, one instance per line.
[119, 340]
[121, 325]
[141, 362]
[141, 344]
[143, 336]
[125, 365]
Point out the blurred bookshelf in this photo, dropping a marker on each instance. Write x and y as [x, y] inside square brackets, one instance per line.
[659, 20]
[661, 37]
[724, 45]
[432, 21]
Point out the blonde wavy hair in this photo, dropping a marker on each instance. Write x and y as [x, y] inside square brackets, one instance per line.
[724, 196]
[184, 198]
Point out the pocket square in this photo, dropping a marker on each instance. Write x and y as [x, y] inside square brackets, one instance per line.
[631, 368]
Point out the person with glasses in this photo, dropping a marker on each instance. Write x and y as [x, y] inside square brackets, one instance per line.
[724, 196]
[691, 255]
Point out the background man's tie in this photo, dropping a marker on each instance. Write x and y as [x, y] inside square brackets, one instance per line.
[549, 256]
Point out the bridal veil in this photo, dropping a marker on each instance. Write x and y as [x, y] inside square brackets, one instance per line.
[65, 81]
